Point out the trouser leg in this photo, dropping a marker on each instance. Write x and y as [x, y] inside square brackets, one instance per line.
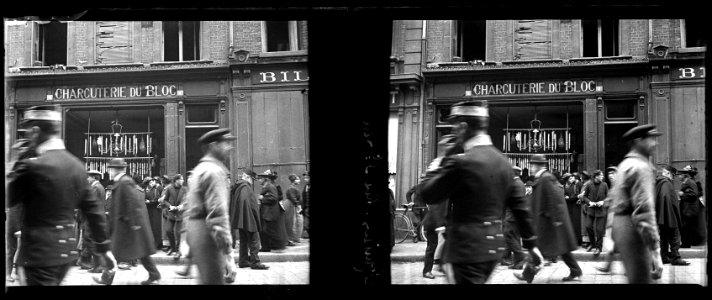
[254, 246]
[243, 258]
[177, 229]
[150, 266]
[571, 262]
[634, 254]
[675, 244]
[665, 239]
[432, 243]
[474, 273]
[171, 235]
[600, 228]
[45, 276]
[589, 230]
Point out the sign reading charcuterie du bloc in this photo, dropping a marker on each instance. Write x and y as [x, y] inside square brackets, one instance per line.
[112, 92]
[532, 88]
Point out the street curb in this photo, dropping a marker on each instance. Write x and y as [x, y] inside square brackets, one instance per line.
[265, 257]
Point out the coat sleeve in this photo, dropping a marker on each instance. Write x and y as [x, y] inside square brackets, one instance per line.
[689, 189]
[269, 196]
[549, 196]
[517, 203]
[439, 184]
[641, 183]
[18, 180]
[92, 209]
[215, 191]
[293, 196]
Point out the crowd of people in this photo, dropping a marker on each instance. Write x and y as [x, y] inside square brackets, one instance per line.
[493, 210]
[60, 214]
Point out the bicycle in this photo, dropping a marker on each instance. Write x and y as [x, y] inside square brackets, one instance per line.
[403, 226]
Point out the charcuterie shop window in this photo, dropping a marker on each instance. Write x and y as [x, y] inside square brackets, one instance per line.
[136, 134]
[181, 40]
[50, 44]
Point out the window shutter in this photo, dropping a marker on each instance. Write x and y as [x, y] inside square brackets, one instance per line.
[532, 39]
[112, 43]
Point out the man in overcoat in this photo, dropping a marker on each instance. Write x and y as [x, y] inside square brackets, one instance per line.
[693, 221]
[634, 228]
[274, 232]
[49, 186]
[479, 185]
[93, 177]
[667, 212]
[132, 234]
[207, 217]
[306, 203]
[551, 218]
[245, 219]
[593, 202]
[172, 205]
[513, 248]
[153, 193]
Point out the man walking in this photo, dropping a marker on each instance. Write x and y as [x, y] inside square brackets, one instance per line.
[667, 212]
[245, 219]
[132, 231]
[50, 186]
[207, 216]
[513, 255]
[479, 185]
[93, 177]
[551, 218]
[635, 230]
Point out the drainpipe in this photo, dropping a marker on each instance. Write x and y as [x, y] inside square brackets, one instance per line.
[232, 46]
[423, 59]
[650, 35]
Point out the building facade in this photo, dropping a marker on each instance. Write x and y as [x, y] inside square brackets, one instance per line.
[147, 90]
[565, 88]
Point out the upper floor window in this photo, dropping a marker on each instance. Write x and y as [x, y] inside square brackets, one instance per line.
[50, 44]
[469, 40]
[693, 33]
[280, 36]
[113, 42]
[599, 38]
[181, 40]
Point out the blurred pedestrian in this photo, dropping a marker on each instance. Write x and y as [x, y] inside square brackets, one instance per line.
[478, 183]
[293, 208]
[207, 216]
[635, 230]
[305, 202]
[18, 152]
[514, 256]
[551, 218]
[50, 184]
[693, 221]
[274, 232]
[245, 220]
[132, 237]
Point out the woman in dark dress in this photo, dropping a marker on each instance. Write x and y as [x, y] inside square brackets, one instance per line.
[274, 234]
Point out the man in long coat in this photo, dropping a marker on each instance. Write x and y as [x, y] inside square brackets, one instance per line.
[693, 221]
[479, 185]
[634, 229]
[49, 185]
[132, 237]
[245, 219]
[93, 177]
[274, 232]
[667, 212]
[153, 193]
[551, 217]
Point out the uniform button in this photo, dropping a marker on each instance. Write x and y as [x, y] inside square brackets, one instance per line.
[489, 237]
[487, 223]
[74, 252]
[501, 248]
[60, 227]
[62, 241]
[72, 239]
[500, 235]
[492, 251]
[64, 255]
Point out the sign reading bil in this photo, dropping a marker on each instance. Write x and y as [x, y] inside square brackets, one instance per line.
[554, 87]
[159, 90]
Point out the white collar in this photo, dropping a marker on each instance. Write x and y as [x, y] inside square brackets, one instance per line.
[50, 144]
[538, 174]
[478, 140]
[118, 176]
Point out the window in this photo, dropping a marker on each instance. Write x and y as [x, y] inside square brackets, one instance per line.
[113, 42]
[281, 36]
[201, 114]
[532, 39]
[469, 42]
[181, 41]
[693, 33]
[50, 44]
[621, 110]
[599, 38]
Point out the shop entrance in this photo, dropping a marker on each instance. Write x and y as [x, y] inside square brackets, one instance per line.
[136, 134]
[620, 116]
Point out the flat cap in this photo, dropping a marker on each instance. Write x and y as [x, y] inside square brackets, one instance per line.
[117, 163]
[216, 135]
[94, 172]
[42, 113]
[641, 131]
[538, 159]
[469, 108]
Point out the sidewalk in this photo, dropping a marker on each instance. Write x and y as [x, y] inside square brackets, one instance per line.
[298, 253]
[408, 251]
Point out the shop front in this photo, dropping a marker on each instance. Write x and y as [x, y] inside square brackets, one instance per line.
[573, 114]
[151, 119]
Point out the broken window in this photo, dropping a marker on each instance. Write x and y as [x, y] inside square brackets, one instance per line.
[469, 42]
[599, 37]
[181, 40]
[50, 44]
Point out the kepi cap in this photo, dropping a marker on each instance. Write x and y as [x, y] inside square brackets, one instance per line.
[42, 113]
[641, 131]
[216, 135]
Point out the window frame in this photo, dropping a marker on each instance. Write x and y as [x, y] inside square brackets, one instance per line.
[198, 39]
[38, 39]
[293, 28]
[683, 36]
[599, 39]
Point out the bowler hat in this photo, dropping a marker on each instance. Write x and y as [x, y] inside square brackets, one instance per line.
[469, 108]
[42, 113]
[117, 163]
[94, 172]
[641, 131]
[267, 174]
[538, 159]
[216, 135]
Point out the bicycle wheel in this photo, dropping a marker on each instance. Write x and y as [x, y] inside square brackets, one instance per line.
[422, 233]
[401, 228]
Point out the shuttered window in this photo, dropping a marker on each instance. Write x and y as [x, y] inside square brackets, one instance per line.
[532, 39]
[113, 43]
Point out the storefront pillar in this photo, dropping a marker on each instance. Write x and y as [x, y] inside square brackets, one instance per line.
[173, 155]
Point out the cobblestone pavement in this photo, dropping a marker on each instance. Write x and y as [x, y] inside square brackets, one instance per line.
[293, 273]
[695, 273]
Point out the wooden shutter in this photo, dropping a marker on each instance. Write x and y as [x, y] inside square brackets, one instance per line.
[532, 39]
[113, 43]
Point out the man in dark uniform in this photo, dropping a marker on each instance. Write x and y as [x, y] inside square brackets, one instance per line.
[478, 184]
[593, 199]
[50, 186]
[634, 227]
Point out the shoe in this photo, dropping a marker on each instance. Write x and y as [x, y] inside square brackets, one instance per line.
[597, 252]
[590, 248]
[666, 261]
[656, 273]
[517, 266]
[124, 266]
[230, 277]
[290, 244]
[96, 269]
[259, 266]
[243, 265]
[679, 262]
[106, 278]
[528, 273]
[429, 275]
[572, 276]
[505, 263]
[605, 269]
[150, 281]
[170, 253]
[184, 273]
[134, 263]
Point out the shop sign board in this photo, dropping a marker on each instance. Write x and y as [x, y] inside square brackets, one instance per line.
[113, 92]
[688, 72]
[536, 88]
[282, 75]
